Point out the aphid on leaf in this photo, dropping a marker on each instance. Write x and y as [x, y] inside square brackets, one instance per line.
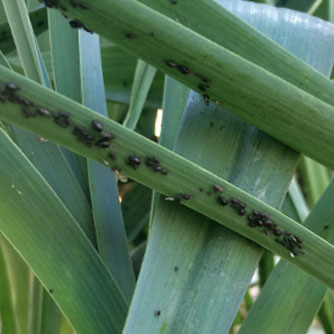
[12, 87]
[185, 196]
[44, 112]
[218, 188]
[130, 35]
[97, 126]
[157, 313]
[170, 63]
[183, 69]
[223, 200]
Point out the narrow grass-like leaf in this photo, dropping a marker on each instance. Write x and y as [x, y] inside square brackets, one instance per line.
[183, 176]
[18, 273]
[142, 82]
[66, 73]
[39, 22]
[51, 316]
[108, 220]
[326, 313]
[23, 35]
[7, 311]
[249, 91]
[296, 197]
[315, 179]
[35, 305]
[299, 293]
[51, 242]
[174, 101]
[136, 208]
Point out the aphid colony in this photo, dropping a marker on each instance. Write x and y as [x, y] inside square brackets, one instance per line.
[97, 136]
[202, 86]
[76, 24]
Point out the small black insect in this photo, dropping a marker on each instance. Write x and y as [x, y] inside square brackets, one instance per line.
[74, 4]
[51, 291]
[266, 232]
[242, 212]
[112, 156]
[12, 87]
[201, 190]
[164, 171]
[288, 233]
[170, 63]
[62, 119]
[133, 161]
[242, 205]
[255, 212]
[107, 135]
[183, 69]
[326, 227]
[202, 87]
[75, 24]
[185, 196]
[259, 222]
[157, 313]
[218, 188]
[103, 144]
[235, 201]
[130, 35]
[222, 200]
[174, 2]
[176, 268]
[97, 126]
[277, 232]
[44, 112]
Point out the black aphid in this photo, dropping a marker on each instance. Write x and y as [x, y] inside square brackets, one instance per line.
[277, 232]
[235, 201]
[74, 3]
[44, 112]
[112, 156]
[206, 98]
[259, 222]
[170, 63]
[218, 188]
[12, 87]
[164, 171]
[51, 291]
[202, 87]
[97, 126]
[264, 215]
[107, 135]
[176, 268]
[266, 232]
[157, 168]
[222, 200]
[157, 313]
[326, 227]
[242, 212]
[130, 35]
[133, 161]
[62, 119]
[103, 144]
[76, 24]
[255, 212]
[242, 205]
[174, 2]
[183, 69]
[268, 223]
[288, 233]
[201, 190]
[185, 196]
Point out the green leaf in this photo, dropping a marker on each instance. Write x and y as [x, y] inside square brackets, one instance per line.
[7, 311]
[142, 82]
[66, 73]
[95, 304]
[108, 220]
[183, 176]
[296, 118]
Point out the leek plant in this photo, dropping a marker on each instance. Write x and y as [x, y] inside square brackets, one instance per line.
[166, 166]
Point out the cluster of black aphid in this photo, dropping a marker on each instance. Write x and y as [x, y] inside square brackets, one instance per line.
[76, 24]
[202, 86]
[154, 163]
